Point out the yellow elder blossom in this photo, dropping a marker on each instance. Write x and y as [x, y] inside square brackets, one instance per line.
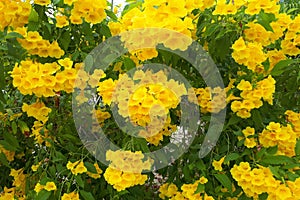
[14, 13]
[61, 21]
[76, 167]
[70, 196]
[42, 2]
[95, 175]
[218, 164]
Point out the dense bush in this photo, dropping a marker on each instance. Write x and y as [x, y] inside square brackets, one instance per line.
[139, 75]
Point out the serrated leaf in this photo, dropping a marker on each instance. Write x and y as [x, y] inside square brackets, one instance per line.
[224, 180]
[10, 142]
[79, 181]
[111, 15]
[275, 171]
[65, 40]
[90, 167]
[43, 195]
[86, 195]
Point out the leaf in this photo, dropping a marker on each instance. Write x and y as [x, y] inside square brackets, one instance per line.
[105, 31]
[257, 119]
[281, 66]
[272, 150]
[233, 120]
[33, 16]
[186, 172]
[200, 188]
[90, 167]
[86, 195]
[265, 19]
[14, 127]
[231, 156]
[65, 40]
[224, 180]
[128, 64]
[297, 147]
[275, 171]
[277, 160]
[88, 63]
[79, 181]
[43, 195]
[13, 35]
[10, 142]
[111, 15]
[3, 160]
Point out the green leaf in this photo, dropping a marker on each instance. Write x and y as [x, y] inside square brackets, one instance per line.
[90, 167]
[13, 35]
[65, 40]
[43, 195]
[231, 156]
[275, 171]
[265, 19]
[200, 188]
[14, 127]
[10, 142]
[233, 120]
[224, 180]
[128, 64]
[86, 195]
[3, 160]
[186, 173]
[257, 119]
[297, 147]
[200, 165]
[277, 160]
[111, 15]
[281, 66]
[105, 31]
[79, 181]
[272, 150]
[88, 63]
[33, 16]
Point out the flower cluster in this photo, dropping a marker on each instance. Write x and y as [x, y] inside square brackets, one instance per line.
[248, 137]
[14, 13]
[170, 191]
[76, 167]
[291, 42]
[38, 110]
[49, 186]
[19, 184]
[70, 196]
[8, 154]
[36, 45]
[169, 15]
[40, 133]
[89, 10]
[210, 100]
[44, 79]
[252, 96]
[284, 137]
[260, 180]
[249, 54]
[125, 169]
[102, 116]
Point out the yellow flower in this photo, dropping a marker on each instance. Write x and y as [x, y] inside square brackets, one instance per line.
[218, 164]
[70, 196]
[61, 21]
[50, 186]
[42, 2]
[38, 187]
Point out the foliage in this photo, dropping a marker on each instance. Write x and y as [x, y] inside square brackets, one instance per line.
[45, 48]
